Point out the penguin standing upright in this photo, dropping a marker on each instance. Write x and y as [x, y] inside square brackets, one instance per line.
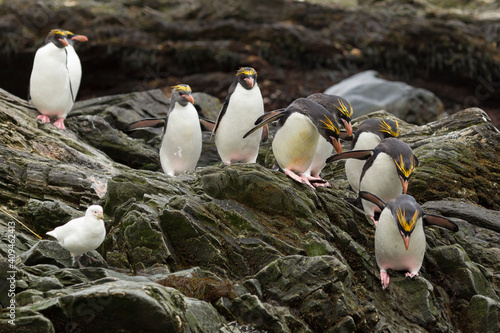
[297, 134]
[342, 111]
[368, 135]
[182, 141]
[402, 219]
[51, 81]
[243, 105]
[386, 172]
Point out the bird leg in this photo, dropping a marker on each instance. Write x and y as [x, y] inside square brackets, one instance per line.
[59, 123]
[90, 258]
[296, 177]
[306, 181]
[77, 259]
[373, 219]
[412, 274]
[43, 118]
[384, 278]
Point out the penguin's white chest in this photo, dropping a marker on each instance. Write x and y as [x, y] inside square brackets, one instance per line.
[295, 143]
[244, 107]
[353, 167]
[50, 82]
[181, 144]
[323, 150]
[390, 251]
[381, 179]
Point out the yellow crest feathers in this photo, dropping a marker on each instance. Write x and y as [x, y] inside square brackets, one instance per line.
[246, 71]
[330, 125]
[181, 87]
[407, 225]
[401, 166]
[345, 109]
[385, 127]
[57, 32]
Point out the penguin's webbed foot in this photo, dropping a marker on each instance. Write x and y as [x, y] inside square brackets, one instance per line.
[374, 221]
[411, 275]
[43, 118]
[384, 279]
[299, 179]
[59, 123]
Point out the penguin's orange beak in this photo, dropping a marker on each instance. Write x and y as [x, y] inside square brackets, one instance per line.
[404, 182]
[189, 98]
[336, 145]
[80, 38]
[347, 126]
[250, 81]
[64, 41]
[406, 240]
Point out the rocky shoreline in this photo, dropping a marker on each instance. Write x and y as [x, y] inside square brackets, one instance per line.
[237, 244]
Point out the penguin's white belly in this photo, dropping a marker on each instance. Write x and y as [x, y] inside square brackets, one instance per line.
[382, 180]
[244, 107]
[181, 144]
[353, 167]
[295, 143]
[323, 150]
[50, 82]
[390, 251]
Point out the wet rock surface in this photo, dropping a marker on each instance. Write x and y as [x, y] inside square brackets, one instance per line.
[238, 248]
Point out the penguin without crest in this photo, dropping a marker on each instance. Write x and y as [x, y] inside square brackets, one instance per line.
[182, 141]
[341, 109]
[297, 134]
[402, 219]
[55, 70]
[386, 172]
[242, 106]
[368, 135]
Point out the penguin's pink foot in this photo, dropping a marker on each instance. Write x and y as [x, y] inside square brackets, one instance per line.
[412, 274]
[373, 219]
[306, 180]
[59, 123]
[43, 118]
[384, 278]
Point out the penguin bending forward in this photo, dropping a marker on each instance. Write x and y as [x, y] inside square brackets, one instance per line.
[182, 141]
[368, 135]
[243, 105]
[402, 219]
[386, 173]
[56, 76]
[297, 134]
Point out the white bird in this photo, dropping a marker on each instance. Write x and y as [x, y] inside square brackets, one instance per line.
[55, 77]
[83, 234]
[401, 219]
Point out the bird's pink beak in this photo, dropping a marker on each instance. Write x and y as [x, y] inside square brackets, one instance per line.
[80, 38]
[336, 145]
[189, 98]
[250, 81]
[347, 126]
[64, 41]
[404, 182]
[406, 240]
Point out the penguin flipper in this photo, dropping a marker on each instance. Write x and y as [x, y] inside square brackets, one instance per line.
[440, 221]
[264, 120]
[373, 199]
[149, 122]
[357, 154]
[207, 125]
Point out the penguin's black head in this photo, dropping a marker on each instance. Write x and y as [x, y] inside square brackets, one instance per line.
[181, 94]
[344, 112]
[388, 128]
[58, 37]
[329, 129]
[247, 77]
[72, 38]
[403, 158]
[406, 212]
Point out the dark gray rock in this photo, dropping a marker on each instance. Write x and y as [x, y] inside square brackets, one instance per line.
[368, 92]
